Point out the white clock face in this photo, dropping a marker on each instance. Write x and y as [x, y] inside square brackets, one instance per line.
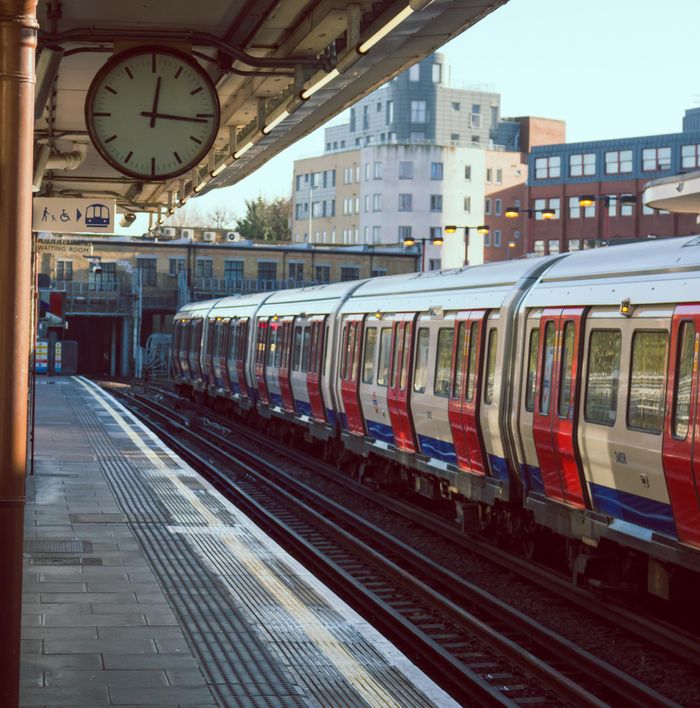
[152, 113]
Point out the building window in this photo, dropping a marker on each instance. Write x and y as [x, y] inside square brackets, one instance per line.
[456, 106]
[405, 170]
[376, 234]
[404, 232]
[299, 182]
[654, 159]
[64, 270]
[475, 117]
[147, 266]
[414, 73]
[267, 272]
[365, 117]
[368, 171]
[378, 272]
[475, 139]
[541, 204]
[417, 137]
[347, 175]
[367, 198]
[436, 202]
[405, 202]
[329, 178]
[436, 170]
[548, 167]
[487, 239]
[377, 170]
[497, 238]
[611, 200]
[487, 206]
[295, 272]
[538, 248]
[489, 175]
[626, 208]
[468, 172]
[467, 204]
[418, 111]
[322, 274]
[582, 164]
[389, 114]
[494, 116]
[349, 273]
[618, 162]
[498, 207]
[435, 232]
[690, 156]
[109, 272]
[499, 176]
[176, 265]
[554, 246]
[437, 73]
[317, 209]
[574, 208]
[434, 264]
[233, 271]
[377, 202]
[352, 120]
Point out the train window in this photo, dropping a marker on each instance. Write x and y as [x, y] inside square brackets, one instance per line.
[368, 360]
[420, 376]
[272, 347]
[684, 380]
[565, 407]
[547, 368]
[384, 357]
[296, 360]
[356, 351]
[306, 349]
[645, 407]
[459, 362]
[491, 351]
[407, 331]
[471, 362]
[344, 352]
[443, 362]
[531, 383]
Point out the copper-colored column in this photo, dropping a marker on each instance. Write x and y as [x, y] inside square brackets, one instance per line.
[18, 27]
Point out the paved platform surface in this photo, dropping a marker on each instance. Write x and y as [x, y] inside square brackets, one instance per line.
[143, 586]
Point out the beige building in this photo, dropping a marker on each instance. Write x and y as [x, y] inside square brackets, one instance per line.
[115, 292]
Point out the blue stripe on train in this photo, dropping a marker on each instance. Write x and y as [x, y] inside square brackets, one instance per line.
[303, 407]
[532, 479]
[343, 421]
[499, 467]
[330, 416]
[438, 449]
[380, 431]
[275, 399]
[649, 513]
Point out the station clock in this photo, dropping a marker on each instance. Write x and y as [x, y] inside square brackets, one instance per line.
[152, 112]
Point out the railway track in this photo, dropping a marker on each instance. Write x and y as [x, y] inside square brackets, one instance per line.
[477, 647]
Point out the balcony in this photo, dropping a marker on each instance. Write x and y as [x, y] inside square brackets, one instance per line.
[208, 288]
[81, 298]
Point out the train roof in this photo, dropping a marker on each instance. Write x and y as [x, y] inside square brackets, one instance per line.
[472, 287]
[195, 309]
[316, 299]
[656, 271]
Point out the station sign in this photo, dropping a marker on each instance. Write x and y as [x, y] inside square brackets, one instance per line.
[73, 215]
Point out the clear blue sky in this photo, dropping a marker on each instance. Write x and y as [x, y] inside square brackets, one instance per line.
[609, 68]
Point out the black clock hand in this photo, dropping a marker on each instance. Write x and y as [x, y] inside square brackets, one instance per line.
[170, 116]
[155, 104]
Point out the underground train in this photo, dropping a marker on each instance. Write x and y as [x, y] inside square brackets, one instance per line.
[552, 401]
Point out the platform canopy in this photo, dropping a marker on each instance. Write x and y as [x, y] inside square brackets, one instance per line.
[281, 68]
[678, 193]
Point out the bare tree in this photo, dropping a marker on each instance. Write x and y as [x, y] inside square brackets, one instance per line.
[187, 216]
[220, 217]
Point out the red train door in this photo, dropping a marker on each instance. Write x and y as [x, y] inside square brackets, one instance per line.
[313, 376]
[401, 369]
[465, 384]
[349, 373]
[284, 342]
[555, 415]
[681, 445]
[260, 359]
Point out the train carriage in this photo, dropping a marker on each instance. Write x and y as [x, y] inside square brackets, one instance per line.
[606, 408]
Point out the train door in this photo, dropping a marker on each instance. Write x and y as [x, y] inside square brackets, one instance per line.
[284, 344]
[555, 415]
[313, 376]
[299, 391]
[211, 329]
[260, 359]
[194, 351]
[681, 444]
[351, 344]
[465, 384]
[220, 351]
[272, 364]
[401, 370]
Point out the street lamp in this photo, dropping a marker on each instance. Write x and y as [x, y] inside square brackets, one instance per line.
[482, 229]
[515, 212]
[410, 241]
[588, 200]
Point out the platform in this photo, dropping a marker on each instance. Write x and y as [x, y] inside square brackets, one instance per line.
[144, 586]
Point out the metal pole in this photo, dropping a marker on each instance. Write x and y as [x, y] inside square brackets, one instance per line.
[18, 31]
[422, 255]
[466, 245]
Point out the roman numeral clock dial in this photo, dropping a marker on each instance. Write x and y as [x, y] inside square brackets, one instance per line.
[152, 113]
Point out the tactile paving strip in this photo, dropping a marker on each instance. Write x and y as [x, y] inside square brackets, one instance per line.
[261, 632]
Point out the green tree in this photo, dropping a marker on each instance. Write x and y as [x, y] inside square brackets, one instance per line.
[266, 221]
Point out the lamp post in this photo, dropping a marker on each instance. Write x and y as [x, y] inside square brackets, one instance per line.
[482, 229]
[408, 242]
